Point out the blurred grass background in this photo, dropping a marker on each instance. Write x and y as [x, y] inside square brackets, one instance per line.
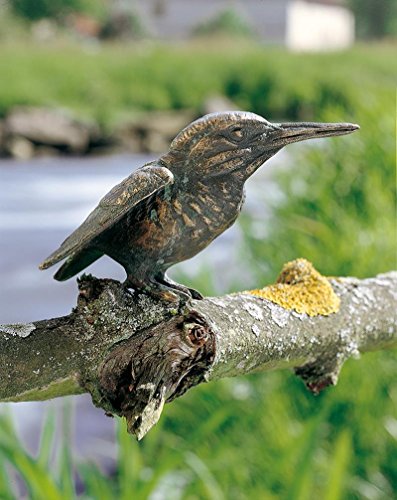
[106, 82]
[262, 436]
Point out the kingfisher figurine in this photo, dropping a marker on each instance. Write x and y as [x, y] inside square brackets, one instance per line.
[172, 208]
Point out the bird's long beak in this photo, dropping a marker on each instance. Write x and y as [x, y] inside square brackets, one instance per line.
[286, 133]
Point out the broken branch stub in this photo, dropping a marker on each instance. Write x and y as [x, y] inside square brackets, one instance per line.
[155, 366]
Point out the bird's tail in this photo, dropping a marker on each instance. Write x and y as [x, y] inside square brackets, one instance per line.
[77, 262]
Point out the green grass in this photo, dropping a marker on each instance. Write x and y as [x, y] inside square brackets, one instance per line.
[262, 436]
[108, 83]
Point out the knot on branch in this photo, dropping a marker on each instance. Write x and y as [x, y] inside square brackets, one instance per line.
[153, 367]
[197, 332]
[302, 288]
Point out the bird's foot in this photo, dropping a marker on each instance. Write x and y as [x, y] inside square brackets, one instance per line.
[190, 292]
[158, 290]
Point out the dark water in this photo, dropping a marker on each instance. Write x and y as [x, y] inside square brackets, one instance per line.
[41, 202]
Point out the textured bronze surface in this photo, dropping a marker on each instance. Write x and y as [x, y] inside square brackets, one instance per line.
[172, 208]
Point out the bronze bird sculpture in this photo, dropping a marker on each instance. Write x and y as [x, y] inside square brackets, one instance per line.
[172, 208]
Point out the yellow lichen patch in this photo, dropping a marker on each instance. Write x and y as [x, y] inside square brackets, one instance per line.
[302, 288]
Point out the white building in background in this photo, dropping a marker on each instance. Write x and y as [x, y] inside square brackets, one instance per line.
[317, 26]
[301, 25]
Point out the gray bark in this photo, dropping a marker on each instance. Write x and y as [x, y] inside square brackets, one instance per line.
[133, 353]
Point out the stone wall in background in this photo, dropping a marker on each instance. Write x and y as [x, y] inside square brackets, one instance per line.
[28, 132]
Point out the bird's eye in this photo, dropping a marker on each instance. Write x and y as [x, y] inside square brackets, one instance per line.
[237, 134]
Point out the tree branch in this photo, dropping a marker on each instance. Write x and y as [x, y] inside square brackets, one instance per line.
[133, 353]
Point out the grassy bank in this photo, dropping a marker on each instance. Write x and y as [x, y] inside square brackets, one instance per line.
[109, 82]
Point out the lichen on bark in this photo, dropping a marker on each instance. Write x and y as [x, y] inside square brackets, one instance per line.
[302, 288]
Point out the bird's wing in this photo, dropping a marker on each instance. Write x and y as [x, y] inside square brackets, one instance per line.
[133, 190]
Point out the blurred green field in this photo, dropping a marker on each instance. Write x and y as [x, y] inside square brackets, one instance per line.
[262, 436]
[109, 82]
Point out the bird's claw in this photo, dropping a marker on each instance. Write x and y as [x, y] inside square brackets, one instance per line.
[190, 293]
[163, 291]
[195, 294]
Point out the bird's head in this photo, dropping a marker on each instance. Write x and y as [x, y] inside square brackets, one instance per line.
[238, 141]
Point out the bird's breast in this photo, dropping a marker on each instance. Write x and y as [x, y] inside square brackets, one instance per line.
[177, 228]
